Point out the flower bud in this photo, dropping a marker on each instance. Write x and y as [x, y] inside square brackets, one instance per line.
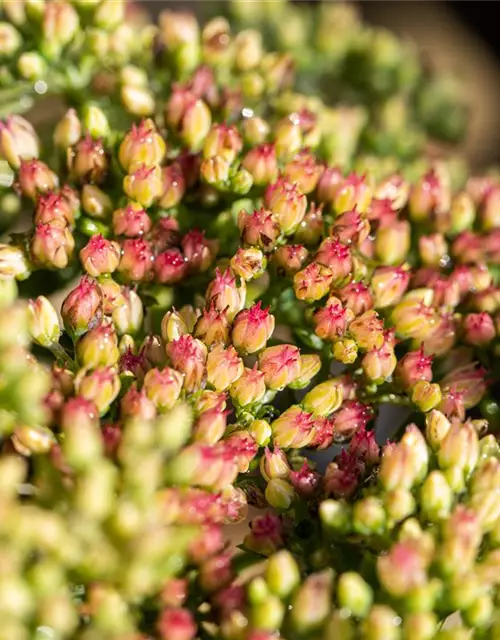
[324, 398]
[136, 404]
[425, 197]
[290, 258]
[350, 228]
[352, 193]
[414, 319]
[142, 145]
[426, 395]
[52, 246]
[287, 204]
[433, 249]
[212, 327]
[101, 386]
[259, 229]
[379, 364]
[136, 262]
[461, 538]
[138, 101]
[248, 263]
[53, 208]
[131, 221]
[43, 322]
[392, 243]
[381, 623]
[215, 172]
[280, 365]
[174, 186]
[459, 448]
[255, 130]
[332, 320]
[279, 494]
[388, 286]
[310, 364]
[82, 308]
[304, 170]
[354, 594]
[282, 574]
[95, 122]
[13, 262]
[478, 329]
[163, 387]
[252, 328]
[88, 161]
[210, 425]
[274, 464]
[337, 257]
[226, 294]
[31, 65]
[98, 347]
[189, 357]
[413, 367]
[367, 331]
[402, 569]
[249, 388]
[59, 26]
[10, 39]
[170, 266]
[176, 624]
[294, 429]
[350, 418]
[35, 177]
[310, 231]
[356, 297]
[82, 444]
[144, 184]
[100, 256]
[95, 202]
[18, 140]
[223, 141]
[436, 497]
[312, 603]
[262, 164]
[224, 367]
[313, 282]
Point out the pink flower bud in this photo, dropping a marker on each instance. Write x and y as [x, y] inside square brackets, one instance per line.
[379, 364]
[442, 337]
[305, 481]
[112, 437]
[462, 536]
[82, 307]
[280, 365]
[35, 177]
[198, 251]
[210, 541]
[136, 404]
[433, 249]
[262, 164]
[287, 204]
[364, 446]
[224, 141]
[216, 572]
[52, 246]
[335, 255]
[189, 357]
[274, 464]
[141, 145]
[131, 221]
[425, 197]
[332, 320]
[367, 331]
[174, 592]
[100, 256]
[350, 418]
[323, 434]
[243, 448]
[341, 478]
[402, 569]
[163, 387]
[79, 413]
[88, 161]
[136, 263]
[478, 329]
[248, 263]
[101, 386]
[392, 242]
[210, 425]
[252, 328]
[290, 258]
[53, 208]
[352, 193]
[259, 229]
[144, 184]
[350, 228]
[468, 248]
[412, 367]
[356, 297]
[133, 364]
[170, 266]
[173, 186]
[225, 294]
[18, 141]
[224, 367]
[414, 319]
[294, 429]
[304, 171]
[176, 624]
[470, 380]
[313, 282]
[212, 327]
[249, 388]
[388, 285]
[266, 534]
[310, 230]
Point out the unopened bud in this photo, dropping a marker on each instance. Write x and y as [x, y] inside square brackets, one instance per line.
[43, 322]
[354, 594]
[426, 395]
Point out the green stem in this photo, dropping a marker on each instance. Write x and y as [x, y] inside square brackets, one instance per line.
[61, 356]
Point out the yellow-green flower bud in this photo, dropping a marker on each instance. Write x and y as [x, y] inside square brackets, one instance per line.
[335, 515]
[437, 426]
[279, 494]
[43, 322]
[312, 603]
[324, 398]
[282, 574]
[426, 395]
[436, 497]
[368, 516]
[382, 623]
[354, 594]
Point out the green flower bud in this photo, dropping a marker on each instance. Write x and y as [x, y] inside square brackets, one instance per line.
[463, 590]
[437, 426]
[279, 494]
[43, 322]
[137, 100]
[399, 504]
[258, 591]
[261, 432]
[268, 614]
[335, 516]
[31, 66]
[426, 395]
[311, 605]
[324, 398]
[10, 39]
[282, 574]
[354, 594]
[95, 122]
[460, 448]
[174, 428]
[436, 497]
[480, 612]
[382, 623]
[339, 628]
[368, 516]
[420, 626]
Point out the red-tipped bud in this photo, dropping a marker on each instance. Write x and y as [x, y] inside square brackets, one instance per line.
[101, 386]
[129, 315]
[287, 204]
[478, 328]
[353, 193]
[262, 164]
[468, 248]
[82, 307]
[335, 255]
[367, 330]
[198, 251]
[313, 282]
[252, 328]
[224, 367]
[88, 161]
[35, 177]
[249, 388]
[216, 572]
[100, 256]
[341, 478]
[304, 170]
[136, 404]
[189, 356]
[212, 327]
[266, 534]
[210, 425]
[98, 347]
[224, 141]
[402, 569]
[280, 365]
[290, 258]
[293, 429]
[177, 624]
[412, 367]
[173, 186]
[433, 249]
[392, 242]
[18, 141]
[248, 263]
[356, 297]
[163, 387]
[305, 481]
[225, 294]
[379, 364]
[259, 229]
[144, 184]
[469, 380]
[332, 320]
[414, 319]
[388, 285]
[350, 418]
[53, 208]
[364, 446]
[131, 221]
[52, 246]
[141, 145]
[136, 262]
[350, 228]
[274, 464]
[170, 266]
[243, 447]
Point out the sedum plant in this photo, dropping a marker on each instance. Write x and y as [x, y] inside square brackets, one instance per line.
[214, 282]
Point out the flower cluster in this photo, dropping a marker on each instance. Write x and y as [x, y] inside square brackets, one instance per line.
[250, 279]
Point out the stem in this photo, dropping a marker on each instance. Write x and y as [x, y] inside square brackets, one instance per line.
[61, 356]
[389, 398]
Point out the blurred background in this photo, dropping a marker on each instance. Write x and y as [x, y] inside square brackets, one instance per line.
[457, 36]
